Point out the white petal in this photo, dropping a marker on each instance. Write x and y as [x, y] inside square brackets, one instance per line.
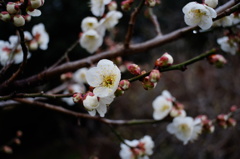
[94, 77]
[102, 109]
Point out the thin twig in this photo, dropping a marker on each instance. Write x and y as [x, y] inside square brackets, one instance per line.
[65, 55]
[155, 22]
[82, 115]
[182, 66]
[33, 95]
[132, 23]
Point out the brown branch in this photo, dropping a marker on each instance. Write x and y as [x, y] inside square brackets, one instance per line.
[132, 23]
[133, 49]
[82, 115]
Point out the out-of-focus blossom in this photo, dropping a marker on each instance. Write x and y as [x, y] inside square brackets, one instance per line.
[91, 40]
[224, 22]
[72, 89]
[80, 75]
[40, 36]
[185, 128]
[89, 23]
[104, 77]
[199, 14]
[111, 19]
[228, 45]
[98, 7]
[140, 149]
[162, 105]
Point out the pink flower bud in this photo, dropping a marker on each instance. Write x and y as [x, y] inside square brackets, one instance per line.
[223, 124]
[217, 60]
[134, 69]
[124, 84]
[12, 8]
[66, 76]
[5, 16]
[19, 133]
[119, 92]
[126, 5]
[222, 117]
[147, 84]
[17, 141]
[231, 122]
[154, 76]
[165, 60]
[7, 149]
[77, 97]
[233, 108]
[28, 18]
[18, 20]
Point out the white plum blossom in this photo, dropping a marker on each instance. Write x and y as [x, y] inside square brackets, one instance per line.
[140, 149]
[11, 51]
[99, 106]
[98, 7]
[34, 12]
[185, 128]
[80, 75]
[224, 22]
[91, 40]
[162, 105]
[211, 3]
[228, 45]
[89, 23]
[111, 19]
[199, 14]
[40, 36]
[104, 77]
[91, 102]
[235, 18]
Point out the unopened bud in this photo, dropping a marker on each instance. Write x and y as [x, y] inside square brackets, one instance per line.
[7, 149]
[36, 3]
[5, 16]
[177, 112]
[231, 122]
[28, 18]
[119, 92]
[222, 117]
[112, 6]
[124, 84]
[18, 20]
[223, 124]
[17, 141]
[77, 97]
[65, 76]
[211, 3]
[147, 84]
[233, 108]
[12, 7]
[90, 101]
[217, 60]
[126, 5]
[19, 133]
[134, 69]
[154, 76]
[33, 45]
[165, 60]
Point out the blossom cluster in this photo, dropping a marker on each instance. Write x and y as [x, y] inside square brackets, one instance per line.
[11, 51]
[93, 30]
[137, 149]
[19, 12]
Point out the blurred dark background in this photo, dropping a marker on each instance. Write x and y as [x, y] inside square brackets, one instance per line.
[202, 88]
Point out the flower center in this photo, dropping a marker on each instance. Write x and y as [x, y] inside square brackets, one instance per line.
[108, 81]
[164, 108]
